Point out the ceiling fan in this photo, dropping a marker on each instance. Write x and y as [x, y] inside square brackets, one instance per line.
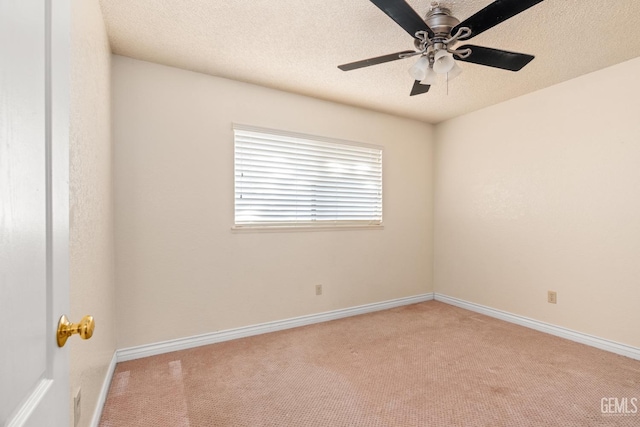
[436, 35]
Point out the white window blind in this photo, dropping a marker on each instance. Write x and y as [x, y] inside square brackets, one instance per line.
[284, 179]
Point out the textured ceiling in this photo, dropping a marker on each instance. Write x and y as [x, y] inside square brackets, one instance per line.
[296, 46]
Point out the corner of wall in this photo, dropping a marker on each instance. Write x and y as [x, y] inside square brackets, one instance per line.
[91, 240]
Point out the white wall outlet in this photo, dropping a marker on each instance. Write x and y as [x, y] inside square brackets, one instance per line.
[552, 297]
[318, 289]
[76, 407]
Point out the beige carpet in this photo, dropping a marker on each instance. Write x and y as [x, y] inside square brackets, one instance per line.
[428, 364]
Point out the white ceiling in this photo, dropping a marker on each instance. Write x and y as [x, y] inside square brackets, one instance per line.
[296, 46]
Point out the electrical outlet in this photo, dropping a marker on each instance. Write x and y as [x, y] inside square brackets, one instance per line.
[552, 297]
[76, 407]
[318, 289]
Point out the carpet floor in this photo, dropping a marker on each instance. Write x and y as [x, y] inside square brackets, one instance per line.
[428, 364]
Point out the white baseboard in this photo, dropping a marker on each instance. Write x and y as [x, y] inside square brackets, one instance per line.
[154, 349]
[601, 343]
[102, 397]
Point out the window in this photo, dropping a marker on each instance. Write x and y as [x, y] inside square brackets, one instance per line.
[291, 180]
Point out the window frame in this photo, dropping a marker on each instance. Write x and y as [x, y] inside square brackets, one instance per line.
[307, 225]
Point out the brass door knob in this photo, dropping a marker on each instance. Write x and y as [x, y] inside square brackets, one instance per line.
[66, 329]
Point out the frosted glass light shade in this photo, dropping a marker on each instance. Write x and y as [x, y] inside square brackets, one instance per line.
[430, 77]
[455, 72]
[443, 62]
[419, 69]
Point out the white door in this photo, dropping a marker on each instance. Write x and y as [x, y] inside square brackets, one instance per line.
[34, 211]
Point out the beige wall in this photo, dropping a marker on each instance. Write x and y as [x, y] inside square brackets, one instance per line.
[92, 287]
[182, 271]
[543, 193]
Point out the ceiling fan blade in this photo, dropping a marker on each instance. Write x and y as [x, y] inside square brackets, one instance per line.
[492, 15]
[404, 15]
[495, 58]
[418, 88]
[373, 61]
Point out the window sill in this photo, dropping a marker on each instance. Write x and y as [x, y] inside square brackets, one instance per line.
[294, 228]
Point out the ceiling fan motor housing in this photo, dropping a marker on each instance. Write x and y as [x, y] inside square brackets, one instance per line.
[440, 20]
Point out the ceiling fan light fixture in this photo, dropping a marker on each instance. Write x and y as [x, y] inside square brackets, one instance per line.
[419, 69]
[443, 62]
[430, 77]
